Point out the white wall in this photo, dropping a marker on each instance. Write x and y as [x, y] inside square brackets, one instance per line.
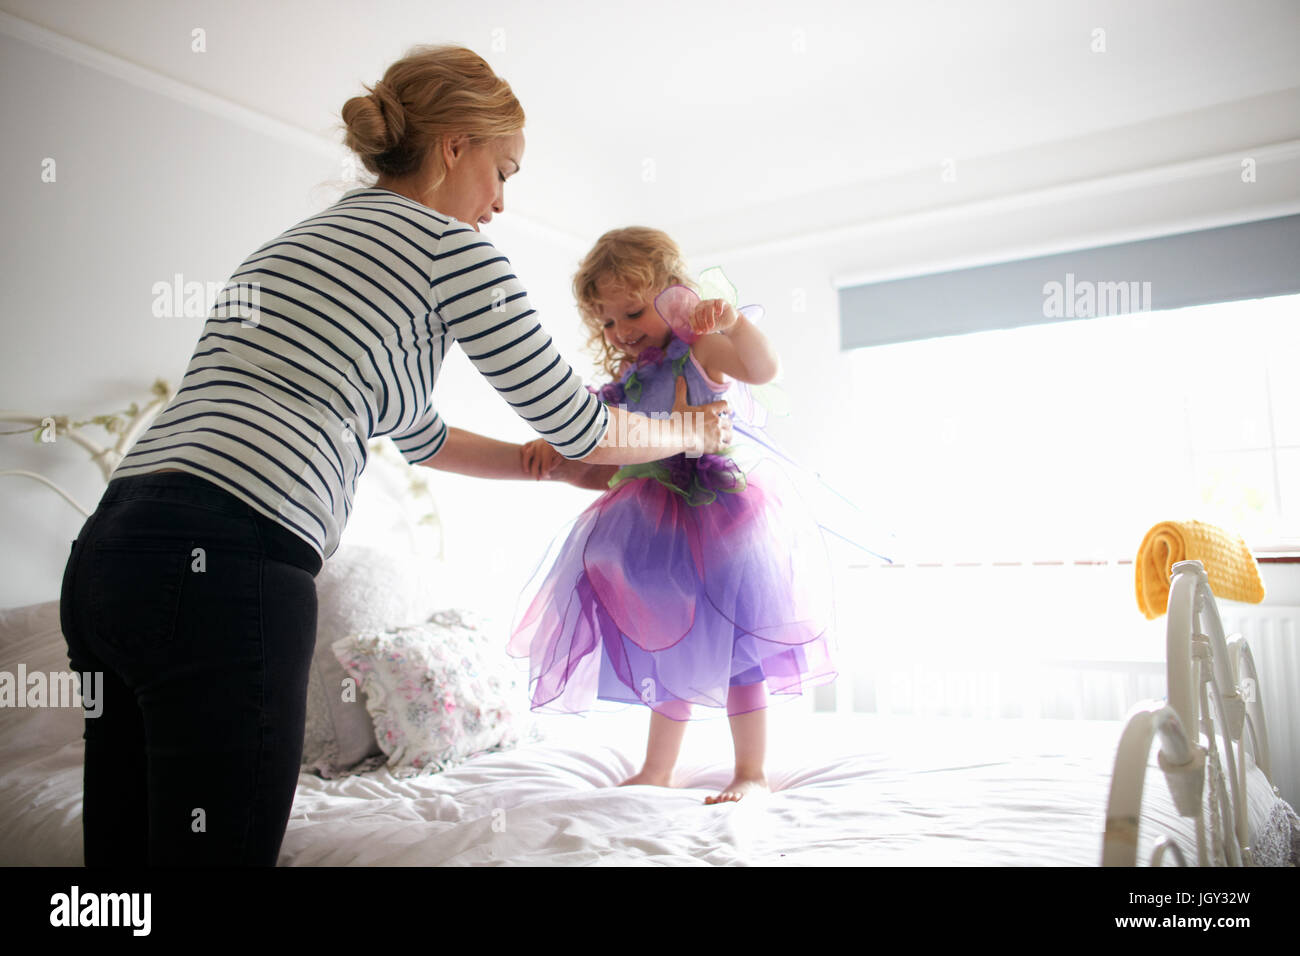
[145, 187]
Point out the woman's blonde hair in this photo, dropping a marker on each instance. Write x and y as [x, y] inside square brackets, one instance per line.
[432, 93]
[636, 259]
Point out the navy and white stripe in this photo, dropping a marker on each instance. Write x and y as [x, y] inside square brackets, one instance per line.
[355, 308]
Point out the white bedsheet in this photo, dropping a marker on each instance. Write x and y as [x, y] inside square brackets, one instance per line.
[859, 790]
[852, 790]
[915, 793]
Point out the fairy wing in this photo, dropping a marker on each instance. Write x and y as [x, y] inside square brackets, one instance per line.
[764, 399]
[714, 284]
[675, 305]
[750, 405]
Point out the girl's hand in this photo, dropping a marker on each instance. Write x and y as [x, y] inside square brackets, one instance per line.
[539, 459]
[713, 315]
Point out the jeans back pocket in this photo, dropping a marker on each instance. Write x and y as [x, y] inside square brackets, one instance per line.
[135, 589]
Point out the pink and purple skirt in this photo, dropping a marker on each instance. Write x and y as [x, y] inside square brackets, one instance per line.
[651, 599]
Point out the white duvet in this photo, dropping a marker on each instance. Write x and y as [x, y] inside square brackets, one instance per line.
[858, 790]
[847, 790]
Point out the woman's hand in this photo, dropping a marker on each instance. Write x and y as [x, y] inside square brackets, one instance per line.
[709, 424]
[713, 315]
[539, 459]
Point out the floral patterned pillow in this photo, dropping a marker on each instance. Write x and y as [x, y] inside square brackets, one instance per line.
[439, 692]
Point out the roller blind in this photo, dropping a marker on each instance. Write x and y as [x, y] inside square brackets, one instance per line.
[1245, 261]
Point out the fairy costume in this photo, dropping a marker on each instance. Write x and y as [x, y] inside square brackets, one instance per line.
[690, 576]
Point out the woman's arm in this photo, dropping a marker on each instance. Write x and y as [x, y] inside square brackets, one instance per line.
[469, 453]
[691, 430]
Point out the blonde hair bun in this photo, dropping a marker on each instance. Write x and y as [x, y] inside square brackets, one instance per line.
[432, 93]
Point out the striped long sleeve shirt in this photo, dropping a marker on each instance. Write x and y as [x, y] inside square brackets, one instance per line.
[333, 333]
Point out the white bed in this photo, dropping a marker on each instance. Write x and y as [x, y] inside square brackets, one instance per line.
[858, 789]
[848, 790]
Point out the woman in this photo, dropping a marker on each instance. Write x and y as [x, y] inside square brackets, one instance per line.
[191, 587]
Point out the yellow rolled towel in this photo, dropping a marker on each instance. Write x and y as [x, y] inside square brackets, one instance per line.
[1231, 568]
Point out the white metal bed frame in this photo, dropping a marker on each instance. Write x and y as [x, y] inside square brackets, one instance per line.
[1203, 667]
[106, 457]
[129, 424]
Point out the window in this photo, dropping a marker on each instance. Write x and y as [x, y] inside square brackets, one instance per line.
[1068, 440]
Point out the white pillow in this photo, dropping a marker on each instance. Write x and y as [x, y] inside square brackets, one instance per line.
[440, 692]
[31, 636]
[394, 506]
[359, 589]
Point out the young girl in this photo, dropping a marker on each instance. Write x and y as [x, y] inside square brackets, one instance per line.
[690, 581]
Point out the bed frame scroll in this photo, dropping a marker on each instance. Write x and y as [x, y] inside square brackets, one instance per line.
[1203, 669]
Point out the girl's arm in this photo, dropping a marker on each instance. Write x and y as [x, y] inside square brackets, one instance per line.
[544, 463]
[739, 349]
[582, 475]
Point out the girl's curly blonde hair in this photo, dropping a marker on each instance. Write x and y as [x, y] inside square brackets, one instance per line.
[636, 259]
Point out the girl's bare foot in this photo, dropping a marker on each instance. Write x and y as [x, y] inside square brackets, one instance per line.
[649, 778]
[741, 784]
[661, 749]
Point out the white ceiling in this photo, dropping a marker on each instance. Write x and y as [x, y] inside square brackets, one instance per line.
[736, 115]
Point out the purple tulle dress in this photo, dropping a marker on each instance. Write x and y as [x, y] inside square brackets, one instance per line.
[690, 582]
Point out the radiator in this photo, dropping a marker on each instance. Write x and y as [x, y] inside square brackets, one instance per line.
[1273, 633]
[1055, 640]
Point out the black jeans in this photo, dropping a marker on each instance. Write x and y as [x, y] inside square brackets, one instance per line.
[200, 614]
